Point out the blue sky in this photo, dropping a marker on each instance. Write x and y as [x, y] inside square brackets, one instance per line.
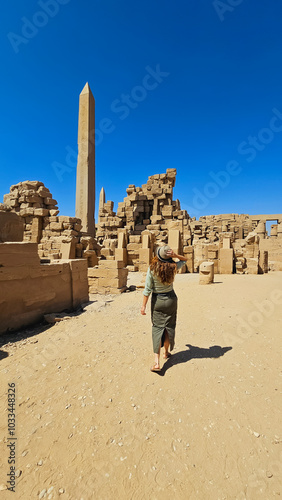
[213, 110]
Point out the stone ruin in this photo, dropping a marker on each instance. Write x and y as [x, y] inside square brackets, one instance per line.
[149, 217]
[142, 222]
[58, 236]
[59, 259]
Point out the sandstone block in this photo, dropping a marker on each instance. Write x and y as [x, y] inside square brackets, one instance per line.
[111, 264]
[133, 247]
[19, 254]
[43, 192]
[106, 252]
[145, 255]
[41, 212]
[96, 272]
[79, 282]
[263, 262]
[121, 254]
[56, 226]
[206, 273]
[68, 250]
[11, 227]
[27, 211]
[225, 261]
[91, 257]
[132, 268]
[50, 201]
[112, 282]
[174, 240]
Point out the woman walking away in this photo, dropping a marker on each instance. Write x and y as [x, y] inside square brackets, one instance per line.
[159, 281]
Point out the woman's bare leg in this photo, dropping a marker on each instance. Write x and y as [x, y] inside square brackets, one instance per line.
[157, 357]
[166, 345]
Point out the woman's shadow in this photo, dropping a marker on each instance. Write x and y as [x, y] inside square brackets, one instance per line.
[194, 352]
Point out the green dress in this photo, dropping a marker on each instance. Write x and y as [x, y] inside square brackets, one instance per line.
[163, 309]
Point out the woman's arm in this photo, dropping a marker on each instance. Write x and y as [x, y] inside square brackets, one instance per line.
[143, 307]
[147, 291]
[175, 256]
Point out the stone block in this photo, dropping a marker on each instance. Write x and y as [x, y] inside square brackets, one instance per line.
[121, 254]
[50, 201]
[29, 292]
[27, 211]
[91, 257]
[36, 229]
[263, 262]
[226, 243]
[56, 226]
[43, 192]
[106, 252]
[112, 282]
[41, 212]
[145, 256]
[121, 240]
[68, 250]
[79, 282]
[174, 240]
[225, 261]
[252, 266]
[146, 241]
[11, 227]
[111, 264]
[206, 273]
[132, 268]
[212, 254]
[96, 272]
[133, 247]
[19, 254]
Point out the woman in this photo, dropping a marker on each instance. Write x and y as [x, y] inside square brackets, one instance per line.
[159, 281]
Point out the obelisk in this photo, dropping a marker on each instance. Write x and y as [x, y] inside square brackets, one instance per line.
[102, 200]
[85, 174]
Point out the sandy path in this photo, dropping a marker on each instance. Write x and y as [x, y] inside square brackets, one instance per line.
[94, 422]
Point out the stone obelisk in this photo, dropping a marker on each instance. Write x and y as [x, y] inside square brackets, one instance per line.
[102, 200]
[85, 174]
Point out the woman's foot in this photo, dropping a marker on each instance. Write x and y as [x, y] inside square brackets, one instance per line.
[155, 368]
[167, 355]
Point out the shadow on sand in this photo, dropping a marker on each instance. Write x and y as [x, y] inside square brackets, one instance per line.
[32, 330]
[3, 355]
[193, 352]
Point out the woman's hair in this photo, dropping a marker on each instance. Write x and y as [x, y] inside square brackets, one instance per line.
[165, 271]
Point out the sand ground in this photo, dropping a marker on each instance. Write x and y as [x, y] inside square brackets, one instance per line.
[94, 423]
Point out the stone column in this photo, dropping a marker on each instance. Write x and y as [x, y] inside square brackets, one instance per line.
[102, 200]
[85, 176]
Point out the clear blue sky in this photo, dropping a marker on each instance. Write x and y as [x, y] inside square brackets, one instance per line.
[219, 72]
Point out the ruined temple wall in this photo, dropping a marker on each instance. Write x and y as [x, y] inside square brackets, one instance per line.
[147, 208]
[28, 289]
[58, 236]
[274, 248]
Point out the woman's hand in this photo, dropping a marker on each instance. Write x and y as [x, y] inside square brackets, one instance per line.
[143, 309]
[171, 254]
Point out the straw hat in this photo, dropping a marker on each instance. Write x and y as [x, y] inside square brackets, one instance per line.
[162, 254]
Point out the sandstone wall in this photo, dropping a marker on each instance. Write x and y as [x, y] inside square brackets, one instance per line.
[11, 226]
[59, 236]
[274, 248]
[28, 289]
